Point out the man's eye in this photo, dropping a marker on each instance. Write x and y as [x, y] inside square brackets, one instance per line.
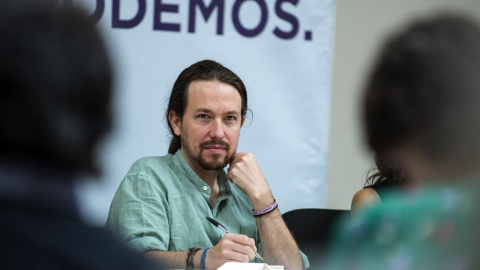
[230, 118]
[203, 116]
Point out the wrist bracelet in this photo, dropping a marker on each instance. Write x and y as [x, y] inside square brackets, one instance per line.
[190, 254]
[261, 212]
[202, 260]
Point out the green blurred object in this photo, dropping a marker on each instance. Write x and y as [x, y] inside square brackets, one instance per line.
[430, 228]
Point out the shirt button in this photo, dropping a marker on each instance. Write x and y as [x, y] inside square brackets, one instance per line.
[205, 188]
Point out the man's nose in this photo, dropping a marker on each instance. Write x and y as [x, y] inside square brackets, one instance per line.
[217, 129]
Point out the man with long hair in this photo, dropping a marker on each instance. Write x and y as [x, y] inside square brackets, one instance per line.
[162, 204]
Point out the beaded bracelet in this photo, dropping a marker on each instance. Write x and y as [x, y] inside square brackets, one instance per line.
[190, 254]
[261, 212]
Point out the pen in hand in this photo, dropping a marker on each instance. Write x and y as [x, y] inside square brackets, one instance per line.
[222, 228]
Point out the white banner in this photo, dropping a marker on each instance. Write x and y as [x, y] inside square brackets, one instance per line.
[282, 50]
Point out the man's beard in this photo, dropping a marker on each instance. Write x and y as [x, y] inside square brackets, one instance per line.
[216, 164]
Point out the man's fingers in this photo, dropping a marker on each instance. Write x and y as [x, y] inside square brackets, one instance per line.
[239, 154]
[242, 253]
[236, 156]
[241, 244]
[240, 238]
[252, 245]
[245, 248]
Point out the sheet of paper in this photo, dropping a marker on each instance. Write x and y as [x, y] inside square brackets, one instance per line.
[249, 266]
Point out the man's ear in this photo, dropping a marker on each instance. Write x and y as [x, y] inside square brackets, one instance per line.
[243, 121]
[175, 122]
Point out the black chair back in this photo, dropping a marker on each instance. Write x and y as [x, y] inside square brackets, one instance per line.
[312, 229]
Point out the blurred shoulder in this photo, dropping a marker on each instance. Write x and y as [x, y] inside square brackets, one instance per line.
[365, 197]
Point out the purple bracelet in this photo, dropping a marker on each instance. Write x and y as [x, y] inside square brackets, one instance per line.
[267, 210]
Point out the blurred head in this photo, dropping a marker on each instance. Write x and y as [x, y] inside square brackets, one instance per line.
[206, 110]
[56, 85]
[422, 100]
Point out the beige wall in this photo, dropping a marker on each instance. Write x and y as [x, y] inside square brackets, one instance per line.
[361, 25]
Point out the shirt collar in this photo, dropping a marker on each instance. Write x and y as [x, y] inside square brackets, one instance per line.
[224, 184]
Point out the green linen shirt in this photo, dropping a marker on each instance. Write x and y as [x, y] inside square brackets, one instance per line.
[161, 204]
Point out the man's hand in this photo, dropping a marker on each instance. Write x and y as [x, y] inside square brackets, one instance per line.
[232, 247]
[278, 245]
[246, 174]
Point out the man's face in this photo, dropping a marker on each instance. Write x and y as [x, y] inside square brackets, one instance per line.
[210, 126]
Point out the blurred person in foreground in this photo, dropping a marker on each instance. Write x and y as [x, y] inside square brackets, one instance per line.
[55, 79]
[422, 105]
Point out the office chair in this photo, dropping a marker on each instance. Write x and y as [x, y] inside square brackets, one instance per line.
[312, 229]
